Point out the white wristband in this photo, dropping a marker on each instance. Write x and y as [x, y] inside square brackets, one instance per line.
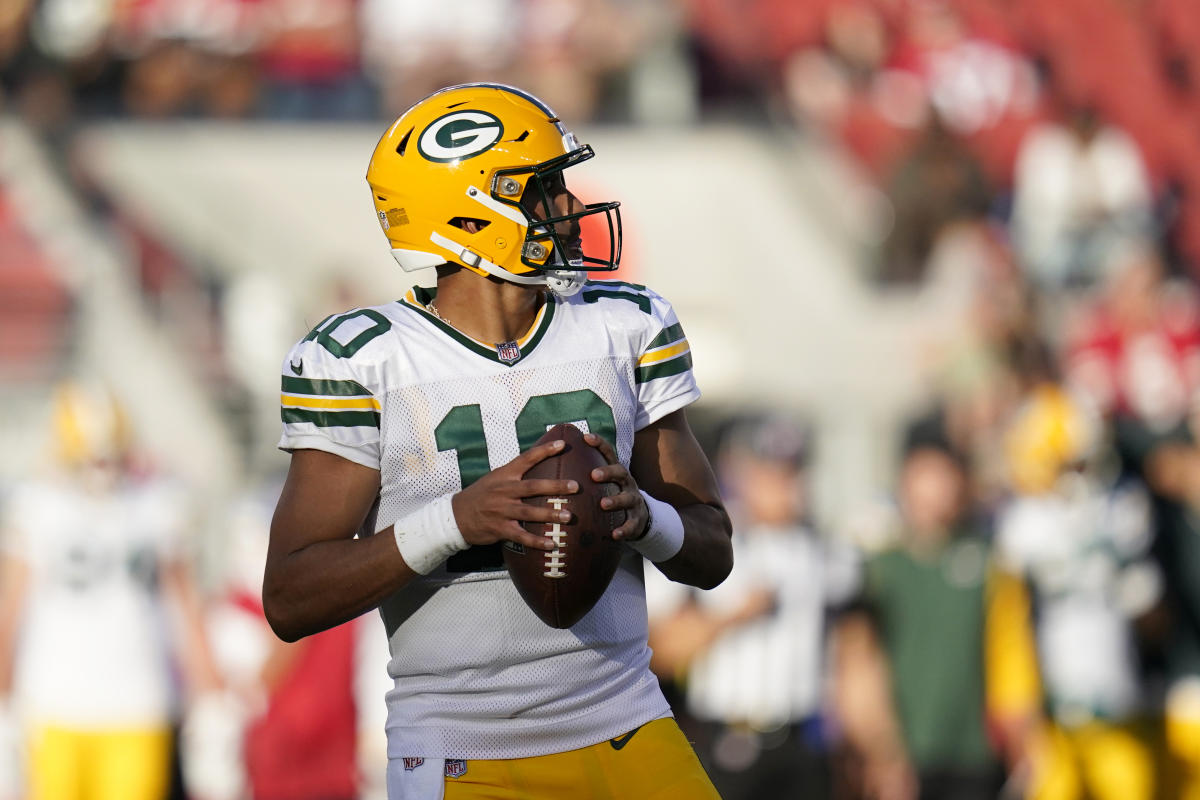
[429, 535]
[664, 536]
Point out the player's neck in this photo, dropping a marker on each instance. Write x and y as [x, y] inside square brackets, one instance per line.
[487, 310]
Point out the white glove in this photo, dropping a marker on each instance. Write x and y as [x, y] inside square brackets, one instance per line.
[210, 747]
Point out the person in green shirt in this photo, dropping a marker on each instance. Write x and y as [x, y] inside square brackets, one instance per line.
[909, 655]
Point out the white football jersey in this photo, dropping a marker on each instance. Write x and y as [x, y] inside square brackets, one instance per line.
[94, 649]
[1085, 554]
[477, 674]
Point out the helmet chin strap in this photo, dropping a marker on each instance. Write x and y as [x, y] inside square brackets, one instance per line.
[561, 282]
[565, 283]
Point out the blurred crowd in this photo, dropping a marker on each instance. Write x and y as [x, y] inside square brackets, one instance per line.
[307, 59]
[1020, 617]
[1025, 618]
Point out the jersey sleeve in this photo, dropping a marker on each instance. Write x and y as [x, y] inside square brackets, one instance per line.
[327, 403]
[663, 374]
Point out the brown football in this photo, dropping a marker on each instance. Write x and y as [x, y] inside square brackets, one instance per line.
[561, 585]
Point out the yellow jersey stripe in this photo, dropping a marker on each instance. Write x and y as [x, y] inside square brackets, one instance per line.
[336, 403]
[537, 323]
[664, 354]
[411, 298]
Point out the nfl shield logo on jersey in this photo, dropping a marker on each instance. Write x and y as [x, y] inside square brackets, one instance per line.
[412, 763]
[508, 352]
[455, 767]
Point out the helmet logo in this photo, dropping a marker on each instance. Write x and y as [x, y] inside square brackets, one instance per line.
[459, 135]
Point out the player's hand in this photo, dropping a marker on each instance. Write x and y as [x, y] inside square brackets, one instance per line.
[491, 509]
[627, 499]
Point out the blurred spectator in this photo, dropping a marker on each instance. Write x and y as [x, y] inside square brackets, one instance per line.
[309, 57]
[936, 185]
[1080, 186]
[833, 87]
[185, 57]
[972, 78]
[96, 593]
[412, 47]
[1079, 539]
[909, 661]
[300, 740]
[1134, 352]
[976, 360]
[572, 50]
[751, 651]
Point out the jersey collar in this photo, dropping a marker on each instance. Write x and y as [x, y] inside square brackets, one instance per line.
[418, 297]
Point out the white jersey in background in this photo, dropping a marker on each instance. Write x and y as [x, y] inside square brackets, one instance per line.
[769, 671]
[94, 648]
[1085, 555]
[393, 387]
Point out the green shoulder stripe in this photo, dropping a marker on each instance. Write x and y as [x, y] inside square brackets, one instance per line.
[601, 283]
[663, 370]
[668, 336]
[594, 295]
[332, 419]
[324, 388]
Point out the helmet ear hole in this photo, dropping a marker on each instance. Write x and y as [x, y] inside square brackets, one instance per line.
[469, 224]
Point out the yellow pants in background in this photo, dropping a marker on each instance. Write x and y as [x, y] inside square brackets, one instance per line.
[1098, 760]
[68, 764]
[655, 762]
[1183, 744]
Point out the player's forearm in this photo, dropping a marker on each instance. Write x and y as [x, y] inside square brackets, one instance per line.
[706, 557]
[14, 578]
[199, 665]
[327, 583]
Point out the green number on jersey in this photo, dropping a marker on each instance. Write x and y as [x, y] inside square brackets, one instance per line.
[323, 332]
[461, 430]
[544, 411]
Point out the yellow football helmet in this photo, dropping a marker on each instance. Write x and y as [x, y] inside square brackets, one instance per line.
[485, 153]
[1051, 432]
[89, 425]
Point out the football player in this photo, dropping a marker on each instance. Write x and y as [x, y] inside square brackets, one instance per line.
[93, 561]
[412, 423]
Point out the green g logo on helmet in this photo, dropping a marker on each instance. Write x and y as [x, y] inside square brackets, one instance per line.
[459, 135]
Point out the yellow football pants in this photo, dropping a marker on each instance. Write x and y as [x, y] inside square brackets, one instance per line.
[1097, 760]
[1183, 743]
[67, 764]
[655, 762]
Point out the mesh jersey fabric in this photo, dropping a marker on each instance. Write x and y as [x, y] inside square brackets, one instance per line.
[476, 674]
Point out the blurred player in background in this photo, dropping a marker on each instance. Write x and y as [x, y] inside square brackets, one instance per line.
[909, 659]
[751, 652]
[414, 421]
[1079, 540]
[95, 596]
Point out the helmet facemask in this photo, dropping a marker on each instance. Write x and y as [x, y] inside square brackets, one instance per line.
[564, 262]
